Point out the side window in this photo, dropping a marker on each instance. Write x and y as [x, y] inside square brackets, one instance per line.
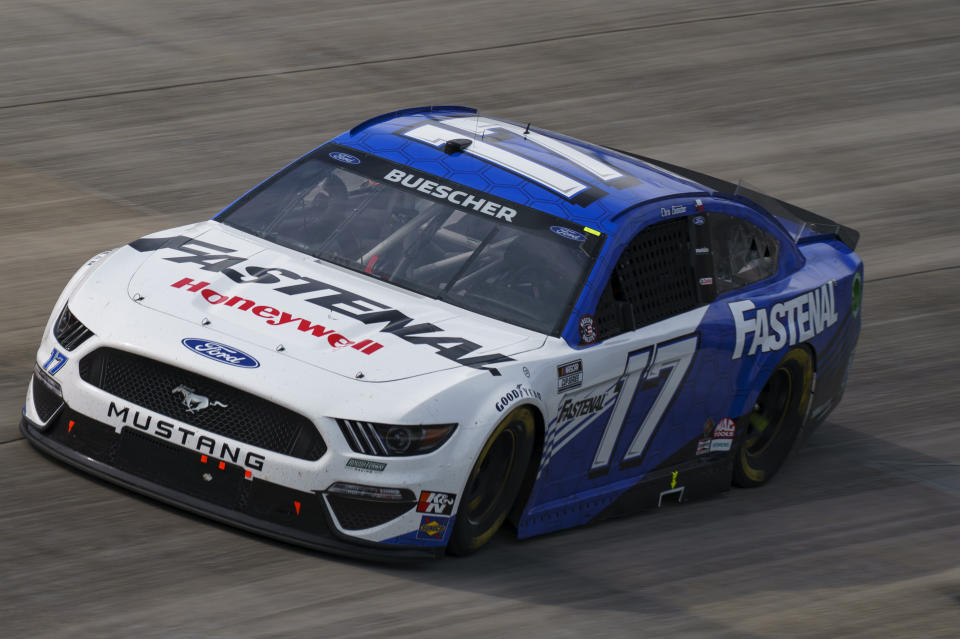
[654, 279]
[742, 253]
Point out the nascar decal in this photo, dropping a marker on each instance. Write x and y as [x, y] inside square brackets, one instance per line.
[569, 375]
[158, 426]
[274, 317]
[436, 503]
[217, 259]
[786, 323]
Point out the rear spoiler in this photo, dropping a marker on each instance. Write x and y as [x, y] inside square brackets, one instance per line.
[804, 225]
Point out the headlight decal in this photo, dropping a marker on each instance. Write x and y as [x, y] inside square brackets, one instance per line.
[394, 440]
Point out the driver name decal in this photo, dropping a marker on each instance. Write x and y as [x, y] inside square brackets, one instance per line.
[461, 199]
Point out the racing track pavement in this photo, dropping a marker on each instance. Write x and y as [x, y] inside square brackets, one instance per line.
[119, 117]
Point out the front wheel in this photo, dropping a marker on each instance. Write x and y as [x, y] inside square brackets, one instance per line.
[776, 420]
[494, 482]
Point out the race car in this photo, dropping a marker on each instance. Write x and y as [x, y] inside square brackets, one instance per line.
[440, 321]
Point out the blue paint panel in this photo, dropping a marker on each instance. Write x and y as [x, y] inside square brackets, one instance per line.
[717, 386]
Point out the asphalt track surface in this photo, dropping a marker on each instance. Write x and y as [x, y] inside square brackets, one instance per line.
[118, 118]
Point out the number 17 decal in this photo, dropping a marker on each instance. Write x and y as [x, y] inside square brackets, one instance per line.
[641, 384]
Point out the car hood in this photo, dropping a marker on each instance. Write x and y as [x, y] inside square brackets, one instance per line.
[240, 289]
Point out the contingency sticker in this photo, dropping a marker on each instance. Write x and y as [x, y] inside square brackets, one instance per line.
[569, 375]
[432, 527]
[721, 439]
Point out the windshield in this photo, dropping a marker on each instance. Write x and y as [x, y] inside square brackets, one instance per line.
[425, 234]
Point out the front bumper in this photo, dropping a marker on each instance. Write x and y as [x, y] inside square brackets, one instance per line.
[210, 488]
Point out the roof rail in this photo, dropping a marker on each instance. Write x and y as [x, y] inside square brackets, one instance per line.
[818, 225]
[396, 114]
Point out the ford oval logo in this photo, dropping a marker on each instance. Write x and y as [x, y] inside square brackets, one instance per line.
[568, 233]
[346, 158]
[220, 352]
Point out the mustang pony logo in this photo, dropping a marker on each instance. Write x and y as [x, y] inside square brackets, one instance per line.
[194, 402]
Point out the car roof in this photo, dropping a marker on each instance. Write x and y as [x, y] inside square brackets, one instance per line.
[583, 182]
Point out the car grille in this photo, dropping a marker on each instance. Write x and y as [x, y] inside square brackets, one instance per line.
[231, 412]
[45, 400]
[357, 514]
[183, 472]
[70, 331]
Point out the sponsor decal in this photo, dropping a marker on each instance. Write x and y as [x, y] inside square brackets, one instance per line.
[526, 372]
[568, 234]
[461, 199]
[569, 375]
[432, 527]
[218, 259]
[676, 209]
[158, 426]
[219, 352]
[195, 402]
[703, 250]
[273, 317]
[786, 323]
[346, 158]
[366, 466]
[706, 281]
[703, 447]
[514, 394]
[725, 429]
[721, 438]
[699, 220]
[699, 205]
[436, 503]
[571, 409]
[588, 332]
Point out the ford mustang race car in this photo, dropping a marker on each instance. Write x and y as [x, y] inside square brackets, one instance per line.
[439, 321]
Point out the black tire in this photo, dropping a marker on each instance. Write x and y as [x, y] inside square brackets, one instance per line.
[494, 482]
[776, 420]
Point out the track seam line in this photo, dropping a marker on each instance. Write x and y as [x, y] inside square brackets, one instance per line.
[893, 277]
[10, 441]
[422, 56]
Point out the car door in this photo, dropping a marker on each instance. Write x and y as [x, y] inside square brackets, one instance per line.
[624, 419]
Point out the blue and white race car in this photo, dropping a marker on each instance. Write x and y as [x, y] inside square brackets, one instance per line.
[439, 321]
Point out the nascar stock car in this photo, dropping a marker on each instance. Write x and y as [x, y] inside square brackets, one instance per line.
[439, 321]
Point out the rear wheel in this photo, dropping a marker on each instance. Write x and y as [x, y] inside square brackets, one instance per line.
[776, 420]
[494, 482]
